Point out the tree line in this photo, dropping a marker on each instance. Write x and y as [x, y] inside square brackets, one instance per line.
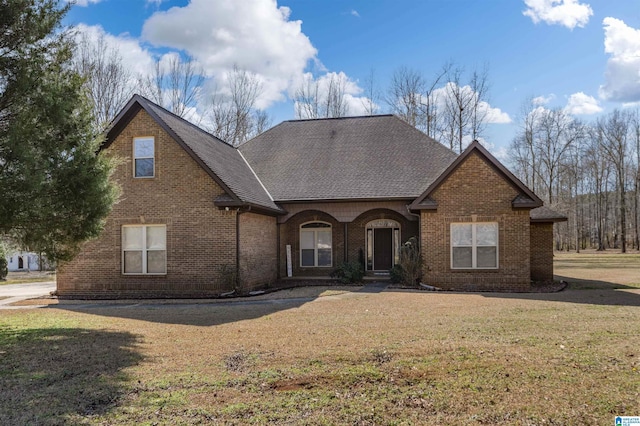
[587, 171]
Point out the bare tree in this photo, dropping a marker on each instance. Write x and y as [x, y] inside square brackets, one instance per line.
[322, 98]
[371, 98]
[232, 114]
[405, 96]
[615, 145]
[174, 84]
[465, 106]
[108, 83]
[431, 104]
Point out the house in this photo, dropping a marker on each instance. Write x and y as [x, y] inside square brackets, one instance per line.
[198, 217]
[23, 261]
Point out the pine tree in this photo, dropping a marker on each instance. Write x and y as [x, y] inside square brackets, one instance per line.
[54, 187]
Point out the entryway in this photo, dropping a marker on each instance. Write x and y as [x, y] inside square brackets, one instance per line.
[383, 244]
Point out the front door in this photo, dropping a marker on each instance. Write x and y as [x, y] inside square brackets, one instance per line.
[382, 249]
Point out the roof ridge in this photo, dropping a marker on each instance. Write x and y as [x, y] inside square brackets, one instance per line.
[256, 175]
[298, 120]
[198, 128]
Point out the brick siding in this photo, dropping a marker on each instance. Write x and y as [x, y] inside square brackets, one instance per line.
[542, 251]
[258, 250]
[201, 240]
[476, 192]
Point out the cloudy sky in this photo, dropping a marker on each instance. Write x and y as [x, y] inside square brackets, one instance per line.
[582, 55]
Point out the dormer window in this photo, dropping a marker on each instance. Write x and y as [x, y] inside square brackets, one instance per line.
[144, 157]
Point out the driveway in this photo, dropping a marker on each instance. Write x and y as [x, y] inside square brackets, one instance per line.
[17, 292]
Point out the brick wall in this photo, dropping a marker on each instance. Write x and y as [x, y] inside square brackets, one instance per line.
[200, 238]
[258, 250]
[290, 234]
[542, 251]
[357, 231]
[476, 192]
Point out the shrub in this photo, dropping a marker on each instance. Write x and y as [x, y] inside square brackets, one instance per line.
[409, 270]
[348, 273]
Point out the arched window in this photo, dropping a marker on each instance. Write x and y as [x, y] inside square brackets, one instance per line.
[315, 244]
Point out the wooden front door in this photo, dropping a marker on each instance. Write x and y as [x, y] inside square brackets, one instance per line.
[382, 249]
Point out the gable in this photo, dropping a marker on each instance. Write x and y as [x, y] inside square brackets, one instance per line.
[477, 170]
[222, 162]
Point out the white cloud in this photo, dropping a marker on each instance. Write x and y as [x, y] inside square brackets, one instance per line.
[582, 104]
[134, 57]
[355, 103]
[570, 13]
[354, 13]
[622, 76]
[492, 115]
[543, 100]
[254, 35]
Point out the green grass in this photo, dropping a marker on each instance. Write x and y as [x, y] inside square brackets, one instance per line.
[396, 357]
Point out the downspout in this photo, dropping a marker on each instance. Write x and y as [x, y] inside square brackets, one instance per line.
[419, 222]
[238, 213]
[278, 275]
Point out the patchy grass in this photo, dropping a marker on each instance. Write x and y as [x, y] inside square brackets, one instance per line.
[595, 270]
[395, 357]
[28, 277]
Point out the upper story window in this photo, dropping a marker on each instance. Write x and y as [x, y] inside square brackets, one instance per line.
[474, 245]
[315, 244]
[144, 157]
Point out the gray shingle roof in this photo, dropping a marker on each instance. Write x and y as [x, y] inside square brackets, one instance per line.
[345, 158]
[220, 159]
[545, 214]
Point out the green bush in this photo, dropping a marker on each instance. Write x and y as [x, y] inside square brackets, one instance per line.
[396, 274]
[348, 273]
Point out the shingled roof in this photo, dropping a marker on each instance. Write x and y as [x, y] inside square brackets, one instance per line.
[372, 157]
[224, 163]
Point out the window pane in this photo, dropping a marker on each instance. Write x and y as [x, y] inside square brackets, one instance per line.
[132, 262]
[307, 257]
[143, 148]
[156, 262]
[307, 240]
[156, 237]
[324, 257]
[487, 234]
[144, 167]
[486, 257]
[324, 239]
[461, 234]
[132, 238]
[462, 257]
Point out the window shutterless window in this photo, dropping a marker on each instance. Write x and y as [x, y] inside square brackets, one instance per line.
[315, 244]
[474, 245]
[144, 157]
[144, 249]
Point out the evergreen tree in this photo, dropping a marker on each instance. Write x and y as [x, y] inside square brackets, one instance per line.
[54, 187]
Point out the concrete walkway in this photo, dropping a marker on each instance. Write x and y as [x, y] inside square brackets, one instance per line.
[17, 292]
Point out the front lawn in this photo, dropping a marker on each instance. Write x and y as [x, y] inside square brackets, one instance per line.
[333, 357]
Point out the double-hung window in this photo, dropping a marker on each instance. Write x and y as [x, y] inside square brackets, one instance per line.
[315, 244]
[144, 249]
[144, 157]
[474, 245]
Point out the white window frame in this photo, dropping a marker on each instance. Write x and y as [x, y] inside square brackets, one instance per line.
[315, 243]
[153, 157]
[474, 245]
[144, 249]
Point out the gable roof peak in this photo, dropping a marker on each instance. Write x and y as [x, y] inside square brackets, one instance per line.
[476, 146]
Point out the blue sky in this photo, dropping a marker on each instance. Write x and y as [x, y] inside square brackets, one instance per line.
[583, 55]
